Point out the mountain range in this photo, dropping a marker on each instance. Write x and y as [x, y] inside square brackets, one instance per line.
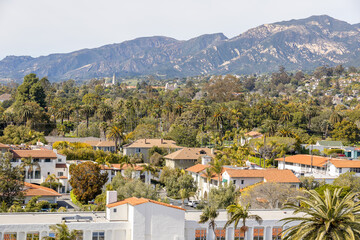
[296, 44]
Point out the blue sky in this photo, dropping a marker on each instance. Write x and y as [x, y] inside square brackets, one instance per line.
[41, 27]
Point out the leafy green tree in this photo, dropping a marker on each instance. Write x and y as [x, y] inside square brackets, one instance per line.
[11, 181]
[332, 189]
[31, 90]
[309, 183]
[87, 181]
[87, 111]
[327, 216]
[184, 136]
[239, 213]
[21, 134]
[175, 180]
[223, 196]
[127, 188]
[32, 205]
[346, 130]
[348, 179]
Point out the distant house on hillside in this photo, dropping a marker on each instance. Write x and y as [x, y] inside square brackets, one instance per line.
[106, 146]
[250, 135]
[52, 139]
[187, 157]
[5, 97]
[142, 147]
[322, 145]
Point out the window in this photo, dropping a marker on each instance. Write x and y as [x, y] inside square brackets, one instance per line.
[200, 234]
[52, 235]
[37, 175]
[276, 233]
[356, 170]
[289, 163]
[10, 236]
[60, 174]
[47, 160]
[242, 181]
[239, 235]
[13, 160]
[36, 160]
[115, 210]
[340, 170]
[59, 160]
[32, 236]
[98, 236]
[137, 150]
[48, 173]
[234, 181]
[220, 234]
[258, 233]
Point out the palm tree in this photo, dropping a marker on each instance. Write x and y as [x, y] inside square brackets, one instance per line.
[28, 165]
[51, 179]
[238, 213]
[185, 194]
[116, 133]
[148, 168]
[87, 111]
[283, 149]
[326, 217]
[105, 112]
[62, 232]
[216, 167]
[208, 174]
[209, 214]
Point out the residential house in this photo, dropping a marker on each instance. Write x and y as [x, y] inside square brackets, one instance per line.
[187, 157]
[240, 176]
[52, 139]
[143, 146]
[44, 162]
[106, 146]
[45, 194]
[321, 168]
[322, 145]
[250, 135]
[5, 97]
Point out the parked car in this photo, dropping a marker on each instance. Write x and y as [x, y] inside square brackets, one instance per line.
[193, 203]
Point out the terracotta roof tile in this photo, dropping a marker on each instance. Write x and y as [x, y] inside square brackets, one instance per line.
[63, 177]
[189, 154]
[151, 143]
[136, 167]
[4, 146]
[269, 175]
[133, 201]
[36, 190]
[34, 153]
[197, 168]
[321, 161]
[253, 134]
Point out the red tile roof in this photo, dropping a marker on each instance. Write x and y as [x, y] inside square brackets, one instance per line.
[197, 168]
[36, 190]
[269, 175]
[136, 167]
[321, 161]
[34, 153]
[189, 154]
[133, 201]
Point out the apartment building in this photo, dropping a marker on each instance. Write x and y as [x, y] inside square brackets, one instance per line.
[140, 219]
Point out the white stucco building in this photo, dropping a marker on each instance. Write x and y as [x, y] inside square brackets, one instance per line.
[321, 168]
[140, 219]
[242, 177]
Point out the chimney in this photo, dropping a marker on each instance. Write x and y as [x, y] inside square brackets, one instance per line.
[212, 151]
[111, 197]
[145, 141]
